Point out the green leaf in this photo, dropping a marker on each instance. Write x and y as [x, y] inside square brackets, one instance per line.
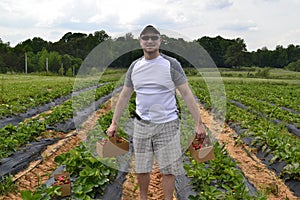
[103, 181]
[26, 194]
[275, 157]
[106, 172]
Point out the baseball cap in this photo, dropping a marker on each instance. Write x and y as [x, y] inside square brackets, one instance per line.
[149, 29]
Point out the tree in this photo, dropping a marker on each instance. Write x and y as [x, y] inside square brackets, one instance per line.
[216, 47]
[101, 36]
[66, 61]
[236, 54]
[61, 70]
[42, 57]
[54, 61]
[3, 52]
[293, 53]
[35, 45]
[280, 57]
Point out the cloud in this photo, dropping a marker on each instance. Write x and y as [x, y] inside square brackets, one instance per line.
[258, 20]
[218, 4]
[271, 1]
[157, 17]
[240, 26]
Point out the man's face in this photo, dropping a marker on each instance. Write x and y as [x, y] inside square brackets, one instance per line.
[150, 42]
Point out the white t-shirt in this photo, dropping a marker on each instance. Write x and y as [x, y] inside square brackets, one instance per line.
[154, 82]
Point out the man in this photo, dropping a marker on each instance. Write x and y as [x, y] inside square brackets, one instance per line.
[154, 78]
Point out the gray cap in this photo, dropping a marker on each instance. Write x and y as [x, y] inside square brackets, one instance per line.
[150, 29]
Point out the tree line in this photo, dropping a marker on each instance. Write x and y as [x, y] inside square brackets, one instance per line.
[233, 53]
[66, 55]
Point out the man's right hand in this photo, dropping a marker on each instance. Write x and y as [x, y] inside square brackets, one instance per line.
[112, 130]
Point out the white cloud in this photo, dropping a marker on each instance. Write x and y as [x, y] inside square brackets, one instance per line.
[218, 4]
[240, 26]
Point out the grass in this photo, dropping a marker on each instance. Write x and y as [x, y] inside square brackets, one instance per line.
[274, 73]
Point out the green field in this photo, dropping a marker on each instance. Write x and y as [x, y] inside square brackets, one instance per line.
[252, 105]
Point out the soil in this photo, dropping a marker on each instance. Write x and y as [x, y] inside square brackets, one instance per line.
[263, 179]
[131, 191]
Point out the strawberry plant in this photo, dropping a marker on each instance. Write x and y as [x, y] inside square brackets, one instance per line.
[7, 185]
[41, 193]
[91, 173]
[219, 178]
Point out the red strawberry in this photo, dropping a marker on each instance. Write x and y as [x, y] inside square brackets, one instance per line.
[61, 178]
[197, 146]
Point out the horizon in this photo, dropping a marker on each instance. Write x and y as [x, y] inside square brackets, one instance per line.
[119, 35]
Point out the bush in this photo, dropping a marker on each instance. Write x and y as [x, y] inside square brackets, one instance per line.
[69, 72]
[61, 71]
[263, 73]
[293, 66]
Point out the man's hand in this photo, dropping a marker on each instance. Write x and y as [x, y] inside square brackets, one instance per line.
[200, 132]
[112, 130]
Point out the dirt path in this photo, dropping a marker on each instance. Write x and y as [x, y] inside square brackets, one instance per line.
[256, 172]
[131, 191]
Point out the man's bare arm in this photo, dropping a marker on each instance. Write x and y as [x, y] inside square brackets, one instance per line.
[121, 104]
[189, 99]
[193, 107]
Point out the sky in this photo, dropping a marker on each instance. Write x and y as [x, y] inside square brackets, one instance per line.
[261, 23]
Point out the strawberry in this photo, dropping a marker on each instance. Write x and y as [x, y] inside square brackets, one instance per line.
[61, 178]
[197, 146]
[119, 140]
[104, 141]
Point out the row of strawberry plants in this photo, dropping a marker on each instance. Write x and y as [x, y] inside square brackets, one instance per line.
[219, 178]
[265, 109]
[18, 93]
[90, 176]
[13, 137]
[277, 94]
[244, 94]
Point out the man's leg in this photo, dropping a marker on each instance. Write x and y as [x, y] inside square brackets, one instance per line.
[167, 149]
[168, 184]
[143, 181]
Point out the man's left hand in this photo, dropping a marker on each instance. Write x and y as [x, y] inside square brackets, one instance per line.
[200, 132]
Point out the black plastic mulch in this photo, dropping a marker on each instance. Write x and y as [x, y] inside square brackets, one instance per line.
[21, 159]
[14, 120]
[32, 151]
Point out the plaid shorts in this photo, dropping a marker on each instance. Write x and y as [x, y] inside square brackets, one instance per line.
[161, 141]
